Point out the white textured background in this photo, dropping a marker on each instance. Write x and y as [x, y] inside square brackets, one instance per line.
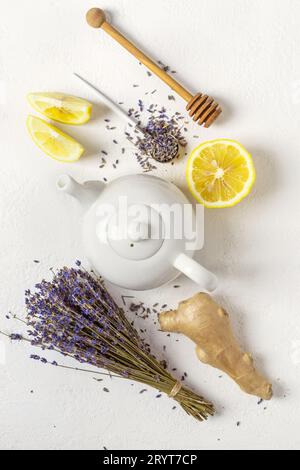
[245, 53]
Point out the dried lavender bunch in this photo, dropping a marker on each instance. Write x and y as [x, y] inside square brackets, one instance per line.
[75, 315]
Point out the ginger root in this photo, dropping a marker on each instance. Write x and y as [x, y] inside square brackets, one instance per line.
[208, 325]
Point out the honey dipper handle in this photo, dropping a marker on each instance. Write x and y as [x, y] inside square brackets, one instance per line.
[96, 19]
[115, 34]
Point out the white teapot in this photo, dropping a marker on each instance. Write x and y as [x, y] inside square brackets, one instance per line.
[140, 231]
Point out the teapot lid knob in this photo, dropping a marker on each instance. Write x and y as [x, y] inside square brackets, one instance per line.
[138, 231]
[136, 238]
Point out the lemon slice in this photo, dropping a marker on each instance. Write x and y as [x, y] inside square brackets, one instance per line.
[61, 107]
[53, 141]
[220, 173]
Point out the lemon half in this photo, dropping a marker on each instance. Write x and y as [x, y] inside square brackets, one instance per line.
[53, 141]
[61, 107]
[220, 173]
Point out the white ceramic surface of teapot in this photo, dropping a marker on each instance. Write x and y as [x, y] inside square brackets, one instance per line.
[135, 231]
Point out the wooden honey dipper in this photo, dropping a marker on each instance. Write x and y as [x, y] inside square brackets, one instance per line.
[201, 107]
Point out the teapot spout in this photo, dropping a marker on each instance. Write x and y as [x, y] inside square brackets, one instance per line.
[86, 193]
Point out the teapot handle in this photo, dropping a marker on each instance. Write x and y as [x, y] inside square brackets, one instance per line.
[196, 272]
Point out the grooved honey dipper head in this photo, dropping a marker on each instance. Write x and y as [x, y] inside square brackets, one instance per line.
[203, 109]
[95, 17]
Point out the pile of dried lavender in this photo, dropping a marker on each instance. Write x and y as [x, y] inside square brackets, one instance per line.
[75, 315]
[162, 137]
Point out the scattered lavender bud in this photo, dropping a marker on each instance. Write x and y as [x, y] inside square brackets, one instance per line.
[35, 357]
[16, 337]
[141, 105]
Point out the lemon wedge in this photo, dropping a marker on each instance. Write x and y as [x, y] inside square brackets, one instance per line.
[53, 141]
[220, 173]
[61, 107]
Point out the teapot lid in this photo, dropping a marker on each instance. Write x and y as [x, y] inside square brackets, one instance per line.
[137, 233]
